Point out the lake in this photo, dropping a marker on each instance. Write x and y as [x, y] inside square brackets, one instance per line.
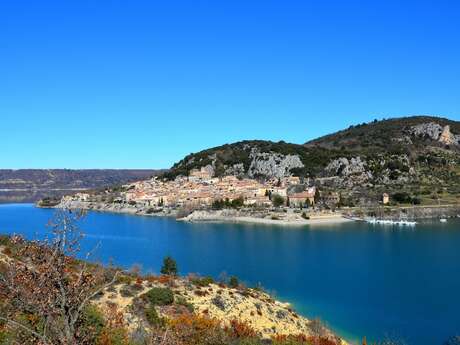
[361, 280]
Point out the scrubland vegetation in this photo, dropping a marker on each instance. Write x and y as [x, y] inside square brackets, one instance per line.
[48, 296]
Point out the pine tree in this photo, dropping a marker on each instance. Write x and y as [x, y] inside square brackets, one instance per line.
[233, 282]
[169, 266]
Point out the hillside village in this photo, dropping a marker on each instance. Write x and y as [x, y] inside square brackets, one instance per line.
[203, 189]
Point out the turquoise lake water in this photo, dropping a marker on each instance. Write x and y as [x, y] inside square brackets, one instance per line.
[360, 280]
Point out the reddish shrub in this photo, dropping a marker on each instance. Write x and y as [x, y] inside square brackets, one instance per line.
[321, 341]
[302, 339]
[240, 329]
[165, 279]
[193, 329]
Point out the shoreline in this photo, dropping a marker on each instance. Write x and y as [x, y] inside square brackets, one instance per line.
[284, 218]
[211, 217]
[265, 217]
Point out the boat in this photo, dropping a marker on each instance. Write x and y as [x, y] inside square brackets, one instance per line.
[407, 222]
[443, 220]
[390, 222]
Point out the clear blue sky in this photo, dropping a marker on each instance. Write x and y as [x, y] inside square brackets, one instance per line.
[140, 84]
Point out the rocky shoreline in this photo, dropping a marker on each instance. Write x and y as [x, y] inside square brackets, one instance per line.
[243, 217]
[268, 217]
[115, 208]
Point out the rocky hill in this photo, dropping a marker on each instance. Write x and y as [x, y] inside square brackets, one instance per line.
[395, 134]
[30, 185]
[258, 159]
[418, 157]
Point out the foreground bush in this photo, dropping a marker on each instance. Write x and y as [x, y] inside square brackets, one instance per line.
[198, 330]
[47, 285]
[160, 296]
[93, 322]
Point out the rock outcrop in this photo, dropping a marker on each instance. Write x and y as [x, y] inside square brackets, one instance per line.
[346, 167]
[348, 173]
[271, 164]
[447, 137]
[431, 130]
[435, 132]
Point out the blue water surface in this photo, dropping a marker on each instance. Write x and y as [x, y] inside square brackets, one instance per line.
[361, 280]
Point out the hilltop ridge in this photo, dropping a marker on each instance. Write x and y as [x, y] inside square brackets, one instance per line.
[418, 155]
[388, 133]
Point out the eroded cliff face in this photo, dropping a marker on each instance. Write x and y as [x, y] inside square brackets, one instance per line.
[346, 173]
[270, 164]
[260, 164]
[435, 132]
[367, 172]
[346, 167]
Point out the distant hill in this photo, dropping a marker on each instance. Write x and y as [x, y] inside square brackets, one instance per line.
[388, 134]
[416, 156]
[30, 185]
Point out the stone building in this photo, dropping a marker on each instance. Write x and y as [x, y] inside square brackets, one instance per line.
[385, 198]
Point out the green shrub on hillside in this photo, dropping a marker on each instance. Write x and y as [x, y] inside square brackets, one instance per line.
[152, 317]
[202, 282]
[4, 240]
[160, 296]
[93, 322]
[405, 198]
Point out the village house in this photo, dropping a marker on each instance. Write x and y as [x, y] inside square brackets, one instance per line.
[304, 198]
[258, 201]
[279, 191]
[292, 180]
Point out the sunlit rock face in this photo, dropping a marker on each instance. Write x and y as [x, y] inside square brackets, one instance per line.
[270, 164]
[436, 132]
[447, 137]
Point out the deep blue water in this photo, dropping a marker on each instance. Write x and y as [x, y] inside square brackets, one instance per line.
[361, 280]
